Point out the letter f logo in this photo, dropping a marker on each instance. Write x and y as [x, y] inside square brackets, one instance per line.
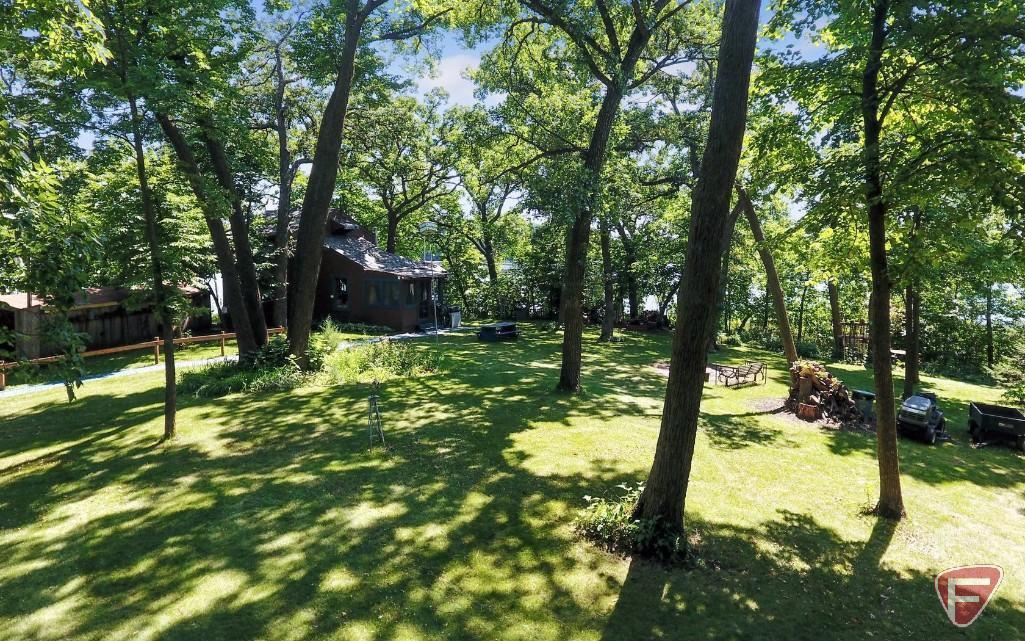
[964, 591]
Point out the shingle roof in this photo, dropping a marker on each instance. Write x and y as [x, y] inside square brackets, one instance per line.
[371, 258]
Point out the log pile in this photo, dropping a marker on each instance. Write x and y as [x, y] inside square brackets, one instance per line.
[816, 394]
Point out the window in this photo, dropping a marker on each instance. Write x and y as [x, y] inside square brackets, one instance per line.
[384, 293]
[410, 293]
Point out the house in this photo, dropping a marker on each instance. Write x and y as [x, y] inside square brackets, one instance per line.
[105, 315]
[360, 282]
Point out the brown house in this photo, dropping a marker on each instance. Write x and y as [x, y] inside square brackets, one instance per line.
[100, 313]
[359, 282]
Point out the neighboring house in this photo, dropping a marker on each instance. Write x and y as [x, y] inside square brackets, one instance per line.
[359, 282]
[99, 313]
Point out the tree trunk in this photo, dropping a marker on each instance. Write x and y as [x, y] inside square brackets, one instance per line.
[912, 341]
[891, 502]
[280, 310]
[579, 237]
[786, 336]
[248, 279]
[629, 275]
[392, 233]
[222, 246]
[492, 263]
[665, 491]
[837, 320]
[722, 309]
[608, 321]
[989, 324]
[320, 189]
[159, 289]
[800, 314]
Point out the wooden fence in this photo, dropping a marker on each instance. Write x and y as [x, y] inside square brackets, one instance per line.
[154, 344]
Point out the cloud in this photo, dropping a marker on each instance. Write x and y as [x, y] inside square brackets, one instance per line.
[451, 76]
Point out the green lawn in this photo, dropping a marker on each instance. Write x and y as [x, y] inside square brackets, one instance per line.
[268, 518]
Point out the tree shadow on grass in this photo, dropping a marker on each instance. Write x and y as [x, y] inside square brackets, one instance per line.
[942, 463]
[738, 431]
[282, 520]
[280, 523]
[790, 578]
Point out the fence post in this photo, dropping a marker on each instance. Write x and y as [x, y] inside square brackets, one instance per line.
[156, 350]
[3, 376]
[222, 344]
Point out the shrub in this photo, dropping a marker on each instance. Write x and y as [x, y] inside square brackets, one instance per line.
[271, 369]
[1010, 372]
[610, 525]
[334, 333]
[731, 340]
[807, 349]
[381, 361]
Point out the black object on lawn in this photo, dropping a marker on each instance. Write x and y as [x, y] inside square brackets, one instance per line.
[920, 416]
[498, 332]
[994, 422]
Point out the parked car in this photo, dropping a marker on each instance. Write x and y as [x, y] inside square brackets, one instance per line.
[920, 416]
[994, 422]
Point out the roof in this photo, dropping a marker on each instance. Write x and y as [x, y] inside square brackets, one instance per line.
[371, 258]
[92, 297]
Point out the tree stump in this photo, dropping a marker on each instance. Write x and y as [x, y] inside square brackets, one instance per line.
[808, 412]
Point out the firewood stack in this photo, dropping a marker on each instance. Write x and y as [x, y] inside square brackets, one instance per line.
[815, 394]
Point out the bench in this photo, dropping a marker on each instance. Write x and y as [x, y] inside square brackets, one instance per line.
[732, 375]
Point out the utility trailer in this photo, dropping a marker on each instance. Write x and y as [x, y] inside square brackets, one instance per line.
[994, 422]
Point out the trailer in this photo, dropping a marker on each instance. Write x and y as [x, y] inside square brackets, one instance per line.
[994, 422]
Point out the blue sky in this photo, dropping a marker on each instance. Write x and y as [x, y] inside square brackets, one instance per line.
[455, 59]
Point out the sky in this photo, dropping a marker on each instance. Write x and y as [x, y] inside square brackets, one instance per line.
[455, 59]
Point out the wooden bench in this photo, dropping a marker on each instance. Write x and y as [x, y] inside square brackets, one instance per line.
[732, 375]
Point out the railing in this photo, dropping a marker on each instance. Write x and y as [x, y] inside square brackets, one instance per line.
[154, 344]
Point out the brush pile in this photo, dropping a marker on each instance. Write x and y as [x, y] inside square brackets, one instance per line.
[816, 394]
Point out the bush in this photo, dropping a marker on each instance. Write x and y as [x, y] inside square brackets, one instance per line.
[731, 340]
[378, 361]
[1010, 372]
[271, 369]
[610, 525]
[334, 333]
[806, 349]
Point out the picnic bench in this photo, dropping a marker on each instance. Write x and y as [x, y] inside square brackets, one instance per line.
[732, 375]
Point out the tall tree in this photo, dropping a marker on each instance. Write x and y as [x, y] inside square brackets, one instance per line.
[932, 100]
[402, 154]
[362, 22]
[112, 87]
[665, 491]
[772, 283]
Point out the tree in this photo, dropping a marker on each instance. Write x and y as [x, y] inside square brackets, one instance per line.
[362, 22]
[119, 83]
[773, 286]
[666, 488]
[931, 102]
[204, 115]
[402, 154]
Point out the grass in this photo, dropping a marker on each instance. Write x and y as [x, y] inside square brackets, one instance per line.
[269, 518]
